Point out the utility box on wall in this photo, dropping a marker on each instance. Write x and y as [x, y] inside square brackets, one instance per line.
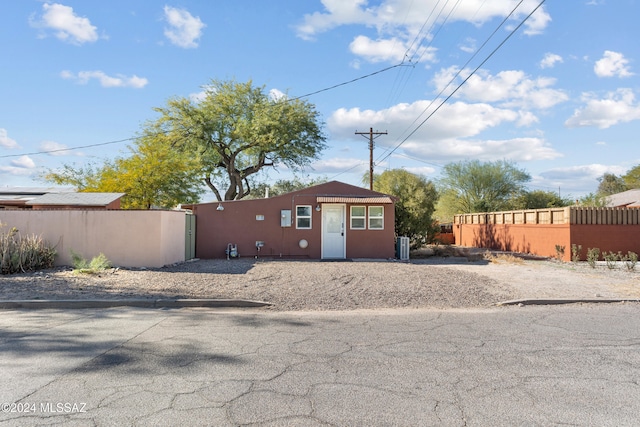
[285, 218]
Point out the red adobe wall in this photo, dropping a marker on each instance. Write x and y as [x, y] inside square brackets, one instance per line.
[539, 239]
[623, 238]
[237, 224]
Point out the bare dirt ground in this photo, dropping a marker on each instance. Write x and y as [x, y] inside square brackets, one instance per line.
[438, 282]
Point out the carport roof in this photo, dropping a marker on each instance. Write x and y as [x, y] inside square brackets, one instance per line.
[354, 199]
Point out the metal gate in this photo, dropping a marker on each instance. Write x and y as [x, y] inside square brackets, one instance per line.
[190, 237]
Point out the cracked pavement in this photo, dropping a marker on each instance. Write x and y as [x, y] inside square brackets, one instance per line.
[576, 365]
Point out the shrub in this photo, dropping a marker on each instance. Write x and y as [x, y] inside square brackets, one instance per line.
[97, 264]
[592, 256]
[575, 252]
[630, 260]
[24, 253]
[610, 258]
[559, 252]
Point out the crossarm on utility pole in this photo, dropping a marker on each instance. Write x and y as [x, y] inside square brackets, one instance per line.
[371, 133]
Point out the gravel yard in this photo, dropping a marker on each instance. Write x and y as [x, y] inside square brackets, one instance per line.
[288, 285]
[316, 285]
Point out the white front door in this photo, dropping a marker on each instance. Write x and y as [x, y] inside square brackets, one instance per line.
[333, 230]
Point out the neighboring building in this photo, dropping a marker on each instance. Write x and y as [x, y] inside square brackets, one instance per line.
[17, 197]
[77, 201]
[56, 198]
[626, 199]
[327, 221]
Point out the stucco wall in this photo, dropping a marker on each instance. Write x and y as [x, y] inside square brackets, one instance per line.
[541, 239]
[237, 224]
[127, 238]
[623, 238]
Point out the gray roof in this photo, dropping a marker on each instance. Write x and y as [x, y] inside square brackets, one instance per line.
[629, 198]
[33, 191]
[75, 199]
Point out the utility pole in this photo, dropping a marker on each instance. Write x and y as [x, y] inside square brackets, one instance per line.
[371, 133]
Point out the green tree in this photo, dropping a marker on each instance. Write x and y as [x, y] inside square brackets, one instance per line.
[473, 186]
[539, 199]
[236, 130]
[155, 175]
[632, 178]
[611, 184]
[283, 186]
[593, 200]
[415, 204]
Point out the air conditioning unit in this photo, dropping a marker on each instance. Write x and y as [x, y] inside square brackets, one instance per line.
[402, 248]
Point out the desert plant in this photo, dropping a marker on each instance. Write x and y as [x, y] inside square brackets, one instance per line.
[592, 256]
[575, 252]
[23, 253]
[630, 260]
[502, 258]
[97, 264]
[559, 252]
[610, 258]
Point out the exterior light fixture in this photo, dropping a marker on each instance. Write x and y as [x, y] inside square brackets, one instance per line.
[317, 208]
[220, 207]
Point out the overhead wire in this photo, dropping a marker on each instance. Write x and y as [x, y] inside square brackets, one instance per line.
[133, 138]
[466, 79]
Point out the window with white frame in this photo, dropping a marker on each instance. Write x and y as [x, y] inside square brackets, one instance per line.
[376, 217]
[303, 217]
[358, 218]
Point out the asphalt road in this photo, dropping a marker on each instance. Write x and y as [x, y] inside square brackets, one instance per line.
[549, 365]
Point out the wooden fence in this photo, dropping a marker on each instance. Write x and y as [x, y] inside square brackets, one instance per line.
[575, 215]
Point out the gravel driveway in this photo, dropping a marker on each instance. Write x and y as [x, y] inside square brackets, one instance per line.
[316, 285]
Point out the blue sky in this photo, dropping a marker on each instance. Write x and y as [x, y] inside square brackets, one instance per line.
[559, 97]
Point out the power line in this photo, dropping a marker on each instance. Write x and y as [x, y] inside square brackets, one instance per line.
[465, 80]
[58, 150]
[69, 149]
[506, 18]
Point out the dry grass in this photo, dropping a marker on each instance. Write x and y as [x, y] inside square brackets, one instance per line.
[502, 258]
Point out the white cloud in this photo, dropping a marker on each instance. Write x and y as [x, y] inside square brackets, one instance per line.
[198, 97]
[580, 178]
[452, 120]
[618, 107]
[5, 141]
[67, 26]
[550, 60]
[54, 148]
[392, 49]
[23, 166]
[105, 80]
[612, 64]
[516, 149]
[184, 29]
[338, 164]
[422, 170]
[469, 45]
[338, 12]
[24, 162]
[390, 15]
[450, 134]
[510, 88]
[398, 22]
[276, 95]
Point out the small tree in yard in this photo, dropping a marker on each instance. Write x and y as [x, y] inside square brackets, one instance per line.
[415, 204]
[473, 186]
